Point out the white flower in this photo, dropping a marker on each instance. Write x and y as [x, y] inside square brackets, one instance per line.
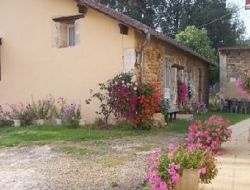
[135, 88]
[123, 82]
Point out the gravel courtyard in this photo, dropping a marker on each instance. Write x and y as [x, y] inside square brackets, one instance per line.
[98, 165]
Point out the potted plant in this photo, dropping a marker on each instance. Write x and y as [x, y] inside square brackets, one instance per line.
[180, 168]
[43, 109]
[209, 135]
[71, 115]
[58, 111]
[15, 114]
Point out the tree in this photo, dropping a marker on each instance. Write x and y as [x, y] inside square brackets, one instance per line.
[244, 42]
[148, 12]
[198, 41]
[172, 16]
[221, 21]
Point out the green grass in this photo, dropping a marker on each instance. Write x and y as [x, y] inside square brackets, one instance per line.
[181, 126]
[234, 118]
[10, 136]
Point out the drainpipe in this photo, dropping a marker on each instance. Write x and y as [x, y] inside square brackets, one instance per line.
[146, 41]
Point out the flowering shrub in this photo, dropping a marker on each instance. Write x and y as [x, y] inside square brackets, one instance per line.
[43, 107]
[122, 96]
[166, 166]
[243, 88]
[149, 100]
[136, 102]
[182, 92]
[21, 112]
[71, 114]
[210, 134]
[2, 114]
[58, 108]
[195, 107]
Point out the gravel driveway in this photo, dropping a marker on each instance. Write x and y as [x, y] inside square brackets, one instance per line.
[98, 165]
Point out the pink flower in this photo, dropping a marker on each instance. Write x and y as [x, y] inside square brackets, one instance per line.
[203, 171]
[171, 146]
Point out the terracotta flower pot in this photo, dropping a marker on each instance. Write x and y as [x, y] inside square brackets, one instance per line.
[189, 180]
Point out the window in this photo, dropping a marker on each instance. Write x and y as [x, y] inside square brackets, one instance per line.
[66, 31]
[71, 35]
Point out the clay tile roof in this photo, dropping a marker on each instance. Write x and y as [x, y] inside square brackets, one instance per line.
[126, 20]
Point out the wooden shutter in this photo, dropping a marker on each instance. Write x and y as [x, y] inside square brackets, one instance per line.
[55, 34]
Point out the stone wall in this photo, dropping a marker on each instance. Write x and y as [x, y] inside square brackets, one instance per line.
[158, 56]
[234, 63]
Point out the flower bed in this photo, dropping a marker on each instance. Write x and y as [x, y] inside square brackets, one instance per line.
[40, 111]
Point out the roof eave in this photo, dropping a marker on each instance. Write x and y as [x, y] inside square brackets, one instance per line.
[126, 20]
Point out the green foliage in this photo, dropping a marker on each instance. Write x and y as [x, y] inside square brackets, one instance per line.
[148, 12]
[173, 16]
[247, 83]
[197, 39]
[188, 159]
[209, 161]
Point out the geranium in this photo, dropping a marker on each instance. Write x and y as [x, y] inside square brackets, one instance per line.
[165, 167]
[163, 172]
[210, 134]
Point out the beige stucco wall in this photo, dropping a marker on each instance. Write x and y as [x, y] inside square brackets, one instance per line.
[32, 67]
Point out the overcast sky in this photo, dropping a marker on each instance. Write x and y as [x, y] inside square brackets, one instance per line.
[245, 14]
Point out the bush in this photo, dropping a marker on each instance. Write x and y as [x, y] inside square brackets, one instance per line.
[43, 107]
[136, 102]
[58, 108]
[71, 114]
[195, 107]
[22, 112]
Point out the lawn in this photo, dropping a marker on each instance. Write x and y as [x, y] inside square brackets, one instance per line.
[10, 136]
